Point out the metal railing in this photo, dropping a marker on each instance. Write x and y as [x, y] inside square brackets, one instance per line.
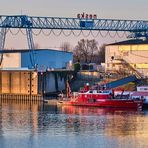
[126, 62]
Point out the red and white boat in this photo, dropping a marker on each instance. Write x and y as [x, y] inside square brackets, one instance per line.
[141, 93]
[101, 98]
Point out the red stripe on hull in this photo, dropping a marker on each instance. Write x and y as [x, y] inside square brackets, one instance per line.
[107, 103]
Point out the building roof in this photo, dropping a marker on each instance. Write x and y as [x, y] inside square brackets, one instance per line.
[17, 69]
[27, 50]
[130, 42]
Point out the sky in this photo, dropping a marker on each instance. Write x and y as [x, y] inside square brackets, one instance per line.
[112, 9]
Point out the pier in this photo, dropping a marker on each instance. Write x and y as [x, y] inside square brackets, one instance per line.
[21, 97]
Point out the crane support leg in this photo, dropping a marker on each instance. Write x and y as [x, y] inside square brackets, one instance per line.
[31, 46]
[2, 43]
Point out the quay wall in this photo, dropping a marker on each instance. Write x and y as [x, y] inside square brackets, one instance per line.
[18, 82]
[31, 83]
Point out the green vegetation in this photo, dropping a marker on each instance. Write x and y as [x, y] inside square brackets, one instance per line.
[77, 67]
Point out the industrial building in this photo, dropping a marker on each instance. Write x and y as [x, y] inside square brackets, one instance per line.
[17, 76]
[43, 59]
[128, 57]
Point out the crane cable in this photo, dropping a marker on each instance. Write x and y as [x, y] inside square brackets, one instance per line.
[91, 32]
[36, 34]
[103, 35]
[12, 33]
[76, 35]
[46, 34]
[67, 35]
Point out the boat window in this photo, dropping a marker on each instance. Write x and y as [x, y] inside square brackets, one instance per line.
[106, 91]
[95, 91]
[90, 91]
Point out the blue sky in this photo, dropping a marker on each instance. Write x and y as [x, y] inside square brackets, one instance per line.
[119, 9]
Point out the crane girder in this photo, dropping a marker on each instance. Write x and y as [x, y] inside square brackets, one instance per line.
[137, 28]
[34, 22]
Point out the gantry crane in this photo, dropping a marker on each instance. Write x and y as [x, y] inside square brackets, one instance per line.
[137, 28]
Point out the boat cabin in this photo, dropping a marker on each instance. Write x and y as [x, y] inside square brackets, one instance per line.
[141, 93]
[109, 92]
[95, 95]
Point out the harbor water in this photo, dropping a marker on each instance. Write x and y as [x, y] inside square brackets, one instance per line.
[36, 125]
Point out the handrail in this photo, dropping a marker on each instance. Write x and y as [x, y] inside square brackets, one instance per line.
[126, 61]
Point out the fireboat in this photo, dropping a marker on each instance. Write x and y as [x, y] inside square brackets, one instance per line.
[100, 98]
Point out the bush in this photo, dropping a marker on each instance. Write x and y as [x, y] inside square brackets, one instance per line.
[77, 67]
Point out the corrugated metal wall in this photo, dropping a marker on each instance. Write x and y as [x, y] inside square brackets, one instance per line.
[46, 59]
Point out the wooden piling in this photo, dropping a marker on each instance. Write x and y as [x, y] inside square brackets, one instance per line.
[21, 97]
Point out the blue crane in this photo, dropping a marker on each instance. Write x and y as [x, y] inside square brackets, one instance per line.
[32, 22]
[137, 28]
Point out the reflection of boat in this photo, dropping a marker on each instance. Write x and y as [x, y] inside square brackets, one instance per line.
[79, 110]
[101, 98]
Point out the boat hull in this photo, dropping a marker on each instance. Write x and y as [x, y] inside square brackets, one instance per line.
[107, 103]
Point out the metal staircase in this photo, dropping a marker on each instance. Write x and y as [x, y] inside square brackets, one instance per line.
[130, 68]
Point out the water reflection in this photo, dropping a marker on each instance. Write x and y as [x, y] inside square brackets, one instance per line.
[19, 116]
[94, 110]
[112, 121]
[33, 124]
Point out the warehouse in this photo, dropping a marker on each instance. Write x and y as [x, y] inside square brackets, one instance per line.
[129, 57]
[42, 58]
[18, 76]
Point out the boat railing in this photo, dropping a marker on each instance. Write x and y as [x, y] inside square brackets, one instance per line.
[106, 92]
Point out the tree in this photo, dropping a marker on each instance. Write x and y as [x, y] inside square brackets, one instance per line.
[85, 50]
[83, 47]
[101, 54]
[66, 46]
[36, 46]
[77, 55]
[93, 49]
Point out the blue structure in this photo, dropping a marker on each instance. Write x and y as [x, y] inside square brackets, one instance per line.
[44, 58]
[137, 28]
[47, 59]
[34, 22]
[122, 81]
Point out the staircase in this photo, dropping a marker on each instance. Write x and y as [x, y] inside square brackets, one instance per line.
[130, 68]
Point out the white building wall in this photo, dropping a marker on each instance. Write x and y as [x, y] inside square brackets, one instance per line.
[11, 60]
[135, 55]
[111, 51]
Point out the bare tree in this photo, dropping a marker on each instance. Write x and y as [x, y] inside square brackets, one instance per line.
[36, 46]
[93, 49]
[83, 46]
[77, 55]
[101, 54]
[85, 50]
[66, 46]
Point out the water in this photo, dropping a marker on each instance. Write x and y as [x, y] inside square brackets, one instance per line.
[34, 125]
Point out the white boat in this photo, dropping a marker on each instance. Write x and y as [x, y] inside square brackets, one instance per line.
[141, 93]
